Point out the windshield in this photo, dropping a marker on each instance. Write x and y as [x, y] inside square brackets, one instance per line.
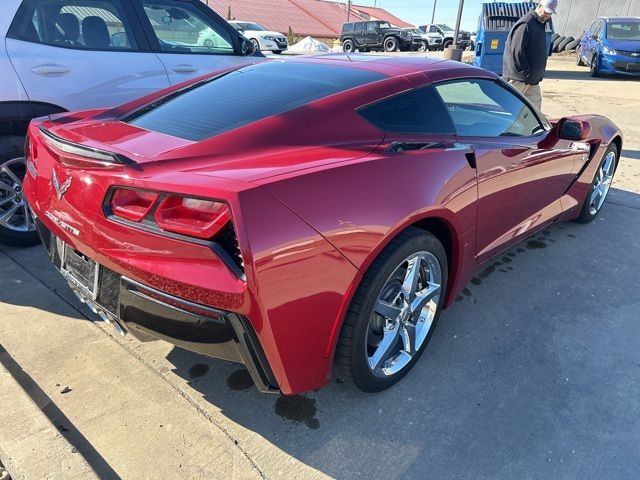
[249, 26]
[446, 28]
[623, 30]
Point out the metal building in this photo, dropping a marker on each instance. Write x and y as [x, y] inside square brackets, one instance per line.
[575, 16]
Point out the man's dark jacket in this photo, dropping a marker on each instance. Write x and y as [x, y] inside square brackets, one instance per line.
[525, 53]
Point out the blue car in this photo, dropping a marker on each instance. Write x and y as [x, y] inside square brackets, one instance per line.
[611, 46]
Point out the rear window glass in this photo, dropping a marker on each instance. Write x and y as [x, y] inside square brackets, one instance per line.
[245, 96]
[347, 27]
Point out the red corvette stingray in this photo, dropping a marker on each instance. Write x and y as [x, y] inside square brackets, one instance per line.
[305, 213]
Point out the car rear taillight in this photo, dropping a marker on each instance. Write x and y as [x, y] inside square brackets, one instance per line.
[192, 216]
[79, 156]
[132, 205]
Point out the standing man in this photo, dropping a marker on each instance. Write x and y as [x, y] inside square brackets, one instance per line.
[525, 53]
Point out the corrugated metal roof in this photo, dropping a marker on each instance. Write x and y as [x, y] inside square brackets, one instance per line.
[315, 18]
[381, 14]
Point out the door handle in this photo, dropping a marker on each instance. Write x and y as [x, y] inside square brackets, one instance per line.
[185, 69]
[50, 69]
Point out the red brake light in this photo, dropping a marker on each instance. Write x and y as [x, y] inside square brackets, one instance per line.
[132, 204]
[192, 216]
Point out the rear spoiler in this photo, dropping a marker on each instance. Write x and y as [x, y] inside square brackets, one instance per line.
[100, 157]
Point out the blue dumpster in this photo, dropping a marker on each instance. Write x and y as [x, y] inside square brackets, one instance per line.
[494, 25]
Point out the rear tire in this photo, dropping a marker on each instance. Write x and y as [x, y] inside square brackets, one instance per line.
[600, 185]
[348, 46]
[376, 350]
[18, 229]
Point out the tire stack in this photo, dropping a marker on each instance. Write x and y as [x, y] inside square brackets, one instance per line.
[563, 44]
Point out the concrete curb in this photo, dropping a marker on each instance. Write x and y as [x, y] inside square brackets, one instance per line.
[30, 445]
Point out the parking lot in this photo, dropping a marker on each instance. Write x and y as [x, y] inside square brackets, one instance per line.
[532, 373]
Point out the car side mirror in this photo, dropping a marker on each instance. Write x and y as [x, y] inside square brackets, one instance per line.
[247, 47]
[571, 129]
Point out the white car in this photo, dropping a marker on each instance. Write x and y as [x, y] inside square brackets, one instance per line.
[68, 55]
[262, 38]
[430, 41]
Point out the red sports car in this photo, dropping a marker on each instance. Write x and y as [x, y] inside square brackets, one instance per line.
[306, 213]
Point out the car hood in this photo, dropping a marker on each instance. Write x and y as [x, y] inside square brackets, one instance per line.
[627, 45]
[263, 33]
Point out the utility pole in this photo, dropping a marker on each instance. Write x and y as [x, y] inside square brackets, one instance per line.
[348, 9]
[455, 34]
[433, 15]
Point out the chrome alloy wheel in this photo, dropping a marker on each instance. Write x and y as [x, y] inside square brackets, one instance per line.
[14, 210]
[602, 183]
[403, 314]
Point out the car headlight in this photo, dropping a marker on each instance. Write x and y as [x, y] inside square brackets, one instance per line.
[609, 51]
[269, 38]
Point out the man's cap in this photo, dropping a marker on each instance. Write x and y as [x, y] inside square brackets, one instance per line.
[549, 5]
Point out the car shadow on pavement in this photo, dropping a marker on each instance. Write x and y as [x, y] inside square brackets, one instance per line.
[29, 279]
[635, 154]
[526, 371]
[584, 75]
[66, 428]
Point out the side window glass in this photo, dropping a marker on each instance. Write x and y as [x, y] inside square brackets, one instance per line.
[74, 24]
[419, 111]
[183, 28]
[359, 26]
[371, 26]
[483, 108]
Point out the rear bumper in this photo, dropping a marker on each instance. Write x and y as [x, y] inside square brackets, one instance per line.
[150, 314]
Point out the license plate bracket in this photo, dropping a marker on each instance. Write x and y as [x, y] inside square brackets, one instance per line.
[79, 270]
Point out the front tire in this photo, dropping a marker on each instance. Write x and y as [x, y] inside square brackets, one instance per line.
[600, 186]
[256, 44]
[277, 52]
[579, 61]
[17, 227]
[394, 312]
[391, 44]
[447, 43]
[594, 69]
[424, 46]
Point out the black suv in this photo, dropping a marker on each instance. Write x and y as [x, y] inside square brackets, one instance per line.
[376, 35]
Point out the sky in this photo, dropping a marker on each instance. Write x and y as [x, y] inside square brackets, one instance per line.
[418, 12]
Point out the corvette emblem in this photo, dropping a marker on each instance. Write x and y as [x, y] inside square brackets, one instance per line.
[61, 189]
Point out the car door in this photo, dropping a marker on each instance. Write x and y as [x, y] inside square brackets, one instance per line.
[79, 56]
[189, 38]
[360, 33]
[522, 175]
[371, 36]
